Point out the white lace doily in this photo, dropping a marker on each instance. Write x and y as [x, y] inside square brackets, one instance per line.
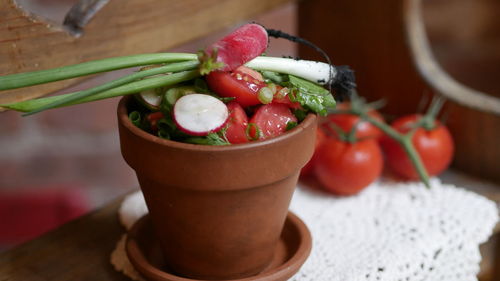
[390, 231]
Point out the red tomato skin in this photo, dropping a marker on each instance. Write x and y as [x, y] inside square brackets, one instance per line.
[346, 168]
[347, 121]
[271, 119]
[308, 169]
[280, 97]
[241, 86]
[237, 124]
[248, 71]
[435, 147]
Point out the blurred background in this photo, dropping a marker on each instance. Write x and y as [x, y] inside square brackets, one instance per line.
[62, 163]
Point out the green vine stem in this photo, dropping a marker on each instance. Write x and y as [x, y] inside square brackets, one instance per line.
[404, 140]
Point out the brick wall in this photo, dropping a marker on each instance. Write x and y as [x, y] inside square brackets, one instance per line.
[77, 147]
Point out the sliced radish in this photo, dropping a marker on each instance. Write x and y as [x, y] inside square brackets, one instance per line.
[150, 99]
[199, 115]
[237, 48]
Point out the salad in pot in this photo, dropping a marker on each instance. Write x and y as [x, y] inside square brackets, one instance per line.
[229, 93]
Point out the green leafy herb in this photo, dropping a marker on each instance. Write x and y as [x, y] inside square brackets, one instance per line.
[218, 138]
[300, 114]
[290, 125]
[271, 76]
[208, 62]
[310, 96]
[137, 119]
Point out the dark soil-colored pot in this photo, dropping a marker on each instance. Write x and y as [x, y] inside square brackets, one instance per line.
[218, 211]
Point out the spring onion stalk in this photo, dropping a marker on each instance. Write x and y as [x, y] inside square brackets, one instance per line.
[317, 72]
[174, 67]
[127, 89]
[14, 81]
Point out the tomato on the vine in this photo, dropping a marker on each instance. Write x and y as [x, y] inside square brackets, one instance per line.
[434, 146]
[345, 168]
[346, 122]
[238, 84]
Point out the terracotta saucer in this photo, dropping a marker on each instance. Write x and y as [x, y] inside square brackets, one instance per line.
[292, 251]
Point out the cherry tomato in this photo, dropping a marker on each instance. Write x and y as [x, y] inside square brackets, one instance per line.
[435, 148]
[243, 87]
[308, 169]
[346, 168]
[347, 121]
[271, 120]
[237, 124]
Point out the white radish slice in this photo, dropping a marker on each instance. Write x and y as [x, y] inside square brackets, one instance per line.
[150, 99]
[199, 115]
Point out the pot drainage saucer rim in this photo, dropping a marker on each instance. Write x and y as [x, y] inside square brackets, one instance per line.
[291, 252]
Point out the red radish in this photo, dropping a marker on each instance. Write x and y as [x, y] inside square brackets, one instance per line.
[199, 115]
[240, 46]
[271, 121]
[237, 124]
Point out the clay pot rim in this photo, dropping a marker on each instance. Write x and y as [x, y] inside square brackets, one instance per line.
[123, 118]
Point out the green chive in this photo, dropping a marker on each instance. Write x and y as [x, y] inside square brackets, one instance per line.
[127, 89]
[174, 67]
[19, 80]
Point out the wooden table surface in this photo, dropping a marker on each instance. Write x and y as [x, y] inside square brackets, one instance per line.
[79, 250]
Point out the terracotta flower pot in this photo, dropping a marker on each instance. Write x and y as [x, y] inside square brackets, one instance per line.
[218, 211]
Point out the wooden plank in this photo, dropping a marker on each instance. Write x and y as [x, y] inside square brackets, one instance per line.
[79, 250]
[120, 28]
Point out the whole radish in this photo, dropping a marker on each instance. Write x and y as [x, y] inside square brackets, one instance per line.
[237, 48]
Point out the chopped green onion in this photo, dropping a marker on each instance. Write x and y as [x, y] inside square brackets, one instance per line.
[265, 95]
[258, 132]
[173, 94]
[135, 118]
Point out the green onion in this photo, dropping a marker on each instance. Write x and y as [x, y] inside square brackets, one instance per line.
[248, 132]
[265, 95]
[14, 81]
[127, 89]
[174, 67]
[135, 118]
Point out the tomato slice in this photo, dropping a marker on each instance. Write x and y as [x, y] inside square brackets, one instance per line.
[282, 96]
[237, 124]
[271, 120]
[235, 84]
